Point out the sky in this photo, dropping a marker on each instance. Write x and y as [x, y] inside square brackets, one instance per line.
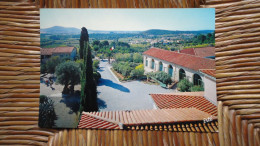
[130, 19]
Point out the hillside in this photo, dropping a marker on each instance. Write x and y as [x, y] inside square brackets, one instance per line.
[163, 32]
[61, 30]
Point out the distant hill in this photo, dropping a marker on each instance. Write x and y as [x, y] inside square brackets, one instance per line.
[163, 32]
[61, 30]
[73, 30]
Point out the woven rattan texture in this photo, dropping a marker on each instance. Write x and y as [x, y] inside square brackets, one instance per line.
[237, 63]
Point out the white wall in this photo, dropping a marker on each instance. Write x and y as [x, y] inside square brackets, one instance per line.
[209, 82]
[210, 91]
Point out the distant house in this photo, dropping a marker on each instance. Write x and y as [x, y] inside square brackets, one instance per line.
[69, 52]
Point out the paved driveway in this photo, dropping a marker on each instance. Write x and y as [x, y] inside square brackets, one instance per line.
[133, 95]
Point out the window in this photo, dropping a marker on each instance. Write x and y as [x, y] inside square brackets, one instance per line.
[182, 74]
[146, 62]
[197, 80]
[160, 66]
[170, 70]
[152, 67]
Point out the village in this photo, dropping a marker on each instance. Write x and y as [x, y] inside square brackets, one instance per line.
[196, 65]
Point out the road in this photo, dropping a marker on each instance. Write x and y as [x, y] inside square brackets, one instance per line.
[133, 95]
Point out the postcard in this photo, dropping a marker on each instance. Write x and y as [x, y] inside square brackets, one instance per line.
[135, 69]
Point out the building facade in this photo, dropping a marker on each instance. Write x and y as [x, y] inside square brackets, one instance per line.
[180, 66]
[68, 52]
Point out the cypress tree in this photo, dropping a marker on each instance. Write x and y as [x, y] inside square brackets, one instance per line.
[83, 38]
[88, 85]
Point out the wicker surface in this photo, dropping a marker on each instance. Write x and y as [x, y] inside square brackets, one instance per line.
[238, 77]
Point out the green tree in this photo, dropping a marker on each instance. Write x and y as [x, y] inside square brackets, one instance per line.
[43, 68]
[88, 84]
[47, 114]
[52, 63]
[96, 42]
[95, 47]
[104, 43]
[137, 58]
[83, 38]
[184, 85]
[68, 73]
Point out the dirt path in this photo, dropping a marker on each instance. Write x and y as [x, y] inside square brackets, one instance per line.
[66, 117]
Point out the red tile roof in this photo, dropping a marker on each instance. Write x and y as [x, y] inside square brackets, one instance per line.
[47, 51]
[205, 51]
[185, 60]
[168, 101]
[63, 50]
[210, 72]
[137, 118]
[200, 52]
[50, 51]
[188, 51]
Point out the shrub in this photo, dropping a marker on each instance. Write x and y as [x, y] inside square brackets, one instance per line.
[137, 73]
[125, 70]
[184, 85]
[96, 76]
[141, 66]
[197, 88]
[47, 114]
[96, 64]
[52, 63]
[161, 76]
[43, 68]
[137, 58]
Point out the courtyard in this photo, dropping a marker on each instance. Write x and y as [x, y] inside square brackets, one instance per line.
[132, 95]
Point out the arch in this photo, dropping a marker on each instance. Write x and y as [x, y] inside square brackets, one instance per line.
[197, 80]
[152, 66]
[170, 70]
[160, 66]
[182, 74]
[146, 61]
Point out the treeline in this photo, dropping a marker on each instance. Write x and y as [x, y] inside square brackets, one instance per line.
[204, 39]
[103, 47]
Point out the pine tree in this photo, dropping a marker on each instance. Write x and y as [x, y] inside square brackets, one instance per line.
[88, 85]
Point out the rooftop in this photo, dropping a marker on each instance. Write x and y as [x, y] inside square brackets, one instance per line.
[201, 52]
[185, 100]
[50, 51]
[189, 61]
[210, 72]
[146, 119]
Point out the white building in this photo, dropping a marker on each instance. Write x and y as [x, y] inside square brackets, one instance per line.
[198, 70]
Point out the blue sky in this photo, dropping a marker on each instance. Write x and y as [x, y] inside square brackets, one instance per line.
[130, 19]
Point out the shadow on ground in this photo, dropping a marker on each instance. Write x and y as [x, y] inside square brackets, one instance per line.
[101, 104]
[72, 101]
[106, 82]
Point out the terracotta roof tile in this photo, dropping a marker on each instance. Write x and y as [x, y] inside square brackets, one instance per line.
[211, 72]
[168, 101]
[63, 49]
[188, 51]
[47, 51]
[144, 119]
[201, 52]
[50, 51]
[185, 60]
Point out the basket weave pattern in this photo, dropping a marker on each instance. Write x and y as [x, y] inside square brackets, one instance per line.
[237, 64]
